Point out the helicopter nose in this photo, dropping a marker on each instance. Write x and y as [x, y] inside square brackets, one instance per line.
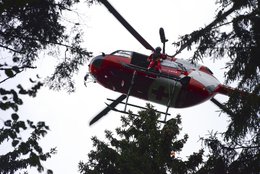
[97, 61]
[95, 64]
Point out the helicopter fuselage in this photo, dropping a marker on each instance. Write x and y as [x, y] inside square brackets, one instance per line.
[126, 72]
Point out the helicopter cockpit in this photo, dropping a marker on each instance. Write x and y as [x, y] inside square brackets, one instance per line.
[179, 64]
[188, 66]
[139, 60]
[173, 64]
[123, 53]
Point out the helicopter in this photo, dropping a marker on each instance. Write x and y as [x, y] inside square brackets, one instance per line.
[179, 84]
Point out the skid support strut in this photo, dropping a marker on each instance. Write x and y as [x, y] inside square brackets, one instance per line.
[172, 92]
[130, 88]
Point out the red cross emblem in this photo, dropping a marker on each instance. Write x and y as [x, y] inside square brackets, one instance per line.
[160, 93]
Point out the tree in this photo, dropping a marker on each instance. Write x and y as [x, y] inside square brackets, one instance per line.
[233, 34]
[27, 28]
[25, 153]
[31, 26]
[142, 145]
[228, 157]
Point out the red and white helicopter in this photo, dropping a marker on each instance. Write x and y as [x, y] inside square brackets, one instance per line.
[180, 84]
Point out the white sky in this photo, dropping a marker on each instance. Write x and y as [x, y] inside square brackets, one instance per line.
[68, 115]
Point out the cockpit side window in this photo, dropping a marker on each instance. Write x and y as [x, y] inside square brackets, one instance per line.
[188, 66]
[169, 64]
[127, 54]
[139, 60]
[173, 64]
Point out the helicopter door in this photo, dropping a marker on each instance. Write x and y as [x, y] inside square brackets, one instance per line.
[139, 60]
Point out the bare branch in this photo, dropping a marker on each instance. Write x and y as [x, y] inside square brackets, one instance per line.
[24, 67]
[6, 47]
[196, 34]
[10, 77]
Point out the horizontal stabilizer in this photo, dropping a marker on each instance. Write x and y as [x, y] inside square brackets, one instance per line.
[221, 106]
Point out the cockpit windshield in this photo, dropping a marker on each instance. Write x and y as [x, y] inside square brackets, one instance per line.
[169, 63]
[127, 54]
[188, 66]
[173, 64]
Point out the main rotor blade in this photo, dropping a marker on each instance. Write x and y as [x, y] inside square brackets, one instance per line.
[127, 25]
[107, 109]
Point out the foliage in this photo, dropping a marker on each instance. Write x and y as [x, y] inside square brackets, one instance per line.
[29, 28]
[229, 157]
[142, 145]
[234, 34]
[25, 153]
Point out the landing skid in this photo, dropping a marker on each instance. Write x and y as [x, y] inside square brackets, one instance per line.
[136, 106]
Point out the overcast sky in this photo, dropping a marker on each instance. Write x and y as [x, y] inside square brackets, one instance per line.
[68, 115]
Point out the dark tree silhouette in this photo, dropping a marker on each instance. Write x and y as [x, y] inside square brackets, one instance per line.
[27, 28]
[234, 35]
[142, 145]
[25, 153]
